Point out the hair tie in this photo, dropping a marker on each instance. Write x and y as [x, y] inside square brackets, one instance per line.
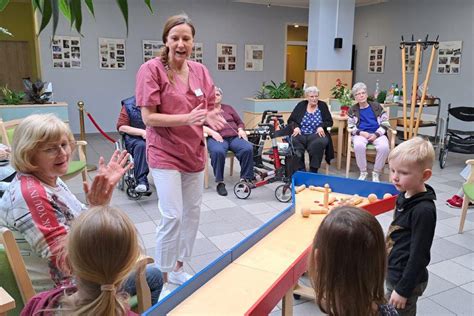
[107, 287]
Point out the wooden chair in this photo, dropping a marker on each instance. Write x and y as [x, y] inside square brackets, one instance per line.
[229, 155]
[142, 301]
[13, 274]
[7, 303]
[391, 134]
[468, 189]
[7, 130]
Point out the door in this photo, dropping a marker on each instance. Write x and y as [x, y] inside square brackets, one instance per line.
[15, 64]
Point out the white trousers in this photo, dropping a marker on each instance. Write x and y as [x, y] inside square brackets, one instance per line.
[179, 202]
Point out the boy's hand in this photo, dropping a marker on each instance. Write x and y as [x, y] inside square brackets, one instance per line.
[397, 300]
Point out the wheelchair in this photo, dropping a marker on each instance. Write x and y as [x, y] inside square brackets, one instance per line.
[458, 141]
[128, 180]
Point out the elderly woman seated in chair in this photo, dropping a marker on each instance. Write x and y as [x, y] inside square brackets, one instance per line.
[39, 205]
[310, 119]
[367, 120]
[232, 137]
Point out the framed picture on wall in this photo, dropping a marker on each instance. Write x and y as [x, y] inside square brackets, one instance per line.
[253, 58]
[112, 53]
[66, 52]
[376, 59]
[196, 54]
[151, 49]
[226, 57]
[449, 58]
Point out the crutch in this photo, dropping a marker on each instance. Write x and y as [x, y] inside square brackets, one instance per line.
[414, 87]
[404, 87]
[425, 86]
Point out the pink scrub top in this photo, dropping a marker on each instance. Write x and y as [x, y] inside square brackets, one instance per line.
[181, 147]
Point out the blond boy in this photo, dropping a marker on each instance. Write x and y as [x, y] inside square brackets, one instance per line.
[411, 232]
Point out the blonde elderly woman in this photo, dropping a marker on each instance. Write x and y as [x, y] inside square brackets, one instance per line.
[310, 119]
[367, 121]
[39, 206]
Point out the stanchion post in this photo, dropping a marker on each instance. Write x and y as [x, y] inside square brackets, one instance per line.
[82, 136]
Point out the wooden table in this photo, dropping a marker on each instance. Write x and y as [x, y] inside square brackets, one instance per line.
[252, 280]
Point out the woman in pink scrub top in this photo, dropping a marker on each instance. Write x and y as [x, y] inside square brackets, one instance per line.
[176, 96]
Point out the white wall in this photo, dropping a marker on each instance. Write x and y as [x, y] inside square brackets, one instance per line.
[383, 24]
[215, 21]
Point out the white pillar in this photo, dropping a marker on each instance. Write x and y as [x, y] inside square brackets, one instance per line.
[326, 18]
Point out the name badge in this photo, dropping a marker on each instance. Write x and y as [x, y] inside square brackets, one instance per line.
[198, 92]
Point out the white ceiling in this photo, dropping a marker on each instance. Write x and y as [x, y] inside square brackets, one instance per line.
[302, 3]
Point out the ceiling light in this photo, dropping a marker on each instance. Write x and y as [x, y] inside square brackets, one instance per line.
[296, 25]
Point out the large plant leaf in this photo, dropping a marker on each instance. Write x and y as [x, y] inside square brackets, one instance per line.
[3, 4]
[46, 14]
[76, 14]
[123, 5]
[148, 3]
[90, 6]
[55, 9]
[65, 9]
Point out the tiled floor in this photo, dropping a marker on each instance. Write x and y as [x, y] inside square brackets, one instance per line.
[226, 220]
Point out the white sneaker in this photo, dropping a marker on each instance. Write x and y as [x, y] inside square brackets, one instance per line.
[178, 277]
[363, 175]
[165, 291]
[140, 188]
[375, 176]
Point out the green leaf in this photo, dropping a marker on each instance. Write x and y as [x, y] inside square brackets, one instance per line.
[123, 5]
[55, 9]
[148, 3]
[37, 4]
[4, 3]
[90, 6]
[76, 14]
[46, 14]
[65, 9]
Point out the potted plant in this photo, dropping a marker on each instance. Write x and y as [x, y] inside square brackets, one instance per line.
[343, 95]
[10, 96]
[273, 96]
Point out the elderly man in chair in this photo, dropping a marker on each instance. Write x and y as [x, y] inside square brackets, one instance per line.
[232, 137]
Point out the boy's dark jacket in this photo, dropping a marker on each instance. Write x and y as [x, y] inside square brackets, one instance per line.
[409, 240]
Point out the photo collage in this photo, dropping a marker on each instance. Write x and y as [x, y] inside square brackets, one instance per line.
[112, 53]
[449, 58]
[376, 59]
[410, 59]
[253, 57]
[151, 49]
[226, 57]
[66, 52]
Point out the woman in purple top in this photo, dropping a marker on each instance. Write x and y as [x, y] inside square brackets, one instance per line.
[231, 137]
[176, 97]
[368, 122]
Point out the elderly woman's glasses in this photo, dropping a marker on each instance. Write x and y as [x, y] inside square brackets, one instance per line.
[56, 150]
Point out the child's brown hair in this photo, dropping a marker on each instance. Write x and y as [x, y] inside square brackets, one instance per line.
[348, 263]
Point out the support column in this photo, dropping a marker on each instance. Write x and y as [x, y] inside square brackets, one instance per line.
[326, 18]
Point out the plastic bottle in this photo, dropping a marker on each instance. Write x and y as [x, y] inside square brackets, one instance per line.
[396, 94]
[390, 93]
[377, 90]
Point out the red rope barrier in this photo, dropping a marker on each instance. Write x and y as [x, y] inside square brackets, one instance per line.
[99, 129]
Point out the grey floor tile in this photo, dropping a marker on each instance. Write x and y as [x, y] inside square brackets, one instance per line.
[466, 260]
[443, 230]
[427, 307]
[457, 300]
[219, 203]
[139, 216]
[437, 285]
[145, 228]
[149, 240]
[209, 217]
[203, 246]
[469, 287]
[211, 229]
[443, 215]
[454, 222]
[199, 262]
[462, 240]
[258, 208]
[448, 249]
[453, 272]
[226, 241]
